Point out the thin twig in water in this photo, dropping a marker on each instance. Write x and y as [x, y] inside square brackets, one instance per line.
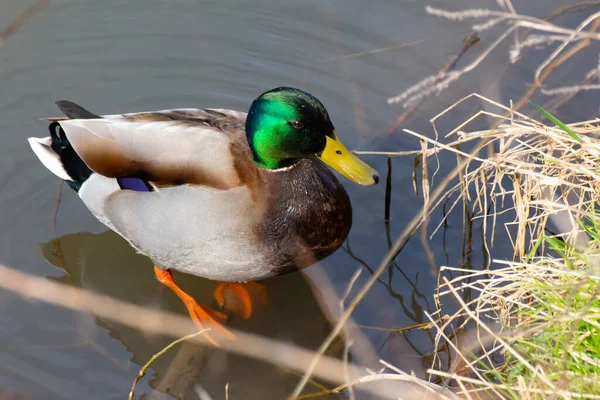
[348, 341]
[375, 51]
[388, 190]
[55, 240]
[156, 356]
[424, 325]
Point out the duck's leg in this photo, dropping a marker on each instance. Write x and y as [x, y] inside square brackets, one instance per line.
[199, 314]
[242, 295]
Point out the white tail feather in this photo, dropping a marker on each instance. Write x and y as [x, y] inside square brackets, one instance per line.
[51, 160]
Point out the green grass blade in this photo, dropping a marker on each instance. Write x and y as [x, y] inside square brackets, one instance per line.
[536, 246]
[557, 122]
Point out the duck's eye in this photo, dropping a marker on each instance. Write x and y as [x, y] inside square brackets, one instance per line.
[297, 124]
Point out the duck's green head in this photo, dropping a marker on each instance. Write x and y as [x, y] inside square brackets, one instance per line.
[286, 124]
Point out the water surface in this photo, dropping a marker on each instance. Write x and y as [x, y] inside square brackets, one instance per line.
[115, 56]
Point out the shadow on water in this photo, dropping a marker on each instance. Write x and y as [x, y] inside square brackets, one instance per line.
[105, 263]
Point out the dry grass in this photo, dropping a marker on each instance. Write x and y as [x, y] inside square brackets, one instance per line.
[523, 329]
[528, 33]
[546, 172]
[528, 328]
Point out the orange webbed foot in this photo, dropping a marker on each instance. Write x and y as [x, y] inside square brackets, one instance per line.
[200, 315]
[240, 295]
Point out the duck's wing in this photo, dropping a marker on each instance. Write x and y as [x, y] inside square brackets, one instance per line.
[170, 147]
[200, 213]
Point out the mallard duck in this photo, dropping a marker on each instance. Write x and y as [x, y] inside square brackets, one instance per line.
[217, 193]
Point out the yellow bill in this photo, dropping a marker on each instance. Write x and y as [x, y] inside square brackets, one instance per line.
[338, 157]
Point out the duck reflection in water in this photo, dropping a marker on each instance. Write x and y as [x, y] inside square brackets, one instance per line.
[92, 261]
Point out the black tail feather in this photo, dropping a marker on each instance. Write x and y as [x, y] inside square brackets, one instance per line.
[73, 164]
[75, 111]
